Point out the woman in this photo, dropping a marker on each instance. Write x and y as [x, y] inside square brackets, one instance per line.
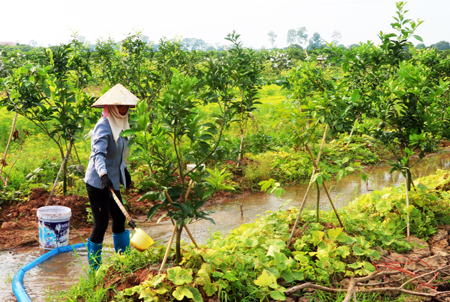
[106, 170]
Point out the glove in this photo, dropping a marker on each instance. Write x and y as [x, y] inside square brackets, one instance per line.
[106, 183]
[127, 178]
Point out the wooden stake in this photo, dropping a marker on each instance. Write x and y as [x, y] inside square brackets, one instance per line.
[191, 183]
[301, 210]
[351, 132]
[321, 147]
[316, 163]
[59, 173]
[76, 153]
[7, 147]
[168, 249]
[407, 205]
[324, 186]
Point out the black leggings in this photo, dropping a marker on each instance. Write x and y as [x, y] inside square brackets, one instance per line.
[102, 205]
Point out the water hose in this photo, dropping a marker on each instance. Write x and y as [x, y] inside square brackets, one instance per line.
[17, 283]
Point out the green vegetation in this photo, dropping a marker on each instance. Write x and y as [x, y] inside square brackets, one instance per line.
[252, 263]
[242, 119]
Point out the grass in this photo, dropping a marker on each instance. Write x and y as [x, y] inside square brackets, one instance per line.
[320, 296]
[91, 286]
[37, 150]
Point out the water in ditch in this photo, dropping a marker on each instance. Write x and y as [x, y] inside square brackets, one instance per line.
[63, 270]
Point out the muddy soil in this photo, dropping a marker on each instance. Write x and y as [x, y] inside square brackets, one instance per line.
[19, 223]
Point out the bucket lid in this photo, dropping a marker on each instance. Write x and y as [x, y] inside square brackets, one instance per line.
[54, 213]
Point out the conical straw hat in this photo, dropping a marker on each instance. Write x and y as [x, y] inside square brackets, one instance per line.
[118, 95]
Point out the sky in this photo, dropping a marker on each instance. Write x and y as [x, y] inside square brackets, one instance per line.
[54, 21]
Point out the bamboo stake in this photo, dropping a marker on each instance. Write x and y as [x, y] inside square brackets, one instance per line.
[321, 147]
[168, 249]
[59, 173]
[309, 186]
[191, 183]
[7, 147]
[76, 153]
[185, 226]
[351, 132]
[407, 205]
[301, 210]
[317, 162]
[318, 202]
[325, 187]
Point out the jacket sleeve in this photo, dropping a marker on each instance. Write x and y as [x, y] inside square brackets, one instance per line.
[99, 147]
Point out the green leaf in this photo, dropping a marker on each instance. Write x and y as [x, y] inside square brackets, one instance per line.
[355, 265]
[337, 234]
[276, 245]
[317, 237]
[355, 96]
[358, 251]
[205, 137]
[128, 132]
[179, 276]
[150, 196]
[274, 271]
[287, 275]
[210, 288]
[280, 260]
[181, 292]
[153, 211]
[276, 295]
[266, 279]
[157, 280]
[418, 38]
[343, 251]
[196, 296]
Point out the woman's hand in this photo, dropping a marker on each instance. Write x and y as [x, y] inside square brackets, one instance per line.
[106, 183]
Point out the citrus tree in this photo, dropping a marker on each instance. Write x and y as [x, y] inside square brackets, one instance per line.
[401, 92]
[51, 93]
[180, 135]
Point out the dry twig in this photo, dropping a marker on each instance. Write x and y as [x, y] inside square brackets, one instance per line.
[355, 282]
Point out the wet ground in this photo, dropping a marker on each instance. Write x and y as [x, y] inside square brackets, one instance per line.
[63, 270]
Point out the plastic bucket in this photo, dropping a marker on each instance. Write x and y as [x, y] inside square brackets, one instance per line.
[54, 224]
[141, 240]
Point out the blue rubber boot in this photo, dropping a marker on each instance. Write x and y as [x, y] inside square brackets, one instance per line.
[122, 242]
[94, 255]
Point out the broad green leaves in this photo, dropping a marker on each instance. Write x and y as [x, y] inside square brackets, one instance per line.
[179, 276]
[272, 186]
[189, 292]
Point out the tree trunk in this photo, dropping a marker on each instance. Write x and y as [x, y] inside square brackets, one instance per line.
[407, 185]
[65, 178]
[241, 149]
[409, 178]
[178, 245]
[60, 170]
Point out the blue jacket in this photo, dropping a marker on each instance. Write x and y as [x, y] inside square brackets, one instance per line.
[107, 156]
